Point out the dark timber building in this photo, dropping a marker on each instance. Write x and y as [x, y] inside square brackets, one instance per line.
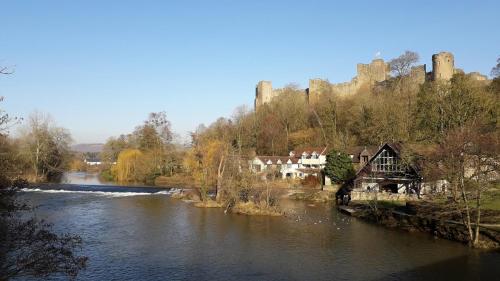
[382, 169]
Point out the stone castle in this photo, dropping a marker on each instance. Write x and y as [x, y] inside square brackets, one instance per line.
[368, 75]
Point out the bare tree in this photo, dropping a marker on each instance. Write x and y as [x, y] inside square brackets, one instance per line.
[45, 146]
[469, 160]
[401, 66]
[495, 72]
[6, 122]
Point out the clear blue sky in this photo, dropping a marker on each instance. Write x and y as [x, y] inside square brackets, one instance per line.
[99, 67]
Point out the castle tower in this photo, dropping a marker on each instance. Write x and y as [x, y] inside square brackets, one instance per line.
[263, 93]
[443, 66]
[316, 88]
[376, 71]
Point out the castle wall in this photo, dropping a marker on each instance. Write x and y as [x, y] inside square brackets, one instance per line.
[418, 74]
[264, 93]
[347, 88]
[478, 76]
[443, 66]
[317, 87]
[376, 71]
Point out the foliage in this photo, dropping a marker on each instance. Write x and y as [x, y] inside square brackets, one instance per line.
[204, 161]
[28, 246]
[45, 147]
[131, 166]
[145, 154]
[339, 167]
[495, 71]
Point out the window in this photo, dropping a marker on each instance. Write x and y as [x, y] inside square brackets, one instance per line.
[256, 167]
[365, 158]
[387, 161]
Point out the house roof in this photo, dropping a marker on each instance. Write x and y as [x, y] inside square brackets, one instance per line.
[274, 159]
[321, 150]
[396, 147]
[356, 151]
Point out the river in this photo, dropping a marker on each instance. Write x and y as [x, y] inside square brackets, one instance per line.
[134, 233]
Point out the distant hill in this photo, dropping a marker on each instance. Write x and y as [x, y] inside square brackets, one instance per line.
[87, 147]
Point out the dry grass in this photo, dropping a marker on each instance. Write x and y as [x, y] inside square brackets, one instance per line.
[178, 181]
[208, 204]
[253, 209]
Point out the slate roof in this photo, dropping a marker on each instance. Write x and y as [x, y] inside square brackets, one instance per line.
[274, 159]
[322, 150]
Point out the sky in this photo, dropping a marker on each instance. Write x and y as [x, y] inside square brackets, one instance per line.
[100, 67]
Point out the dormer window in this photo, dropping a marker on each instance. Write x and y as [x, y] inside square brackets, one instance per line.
[365, 158]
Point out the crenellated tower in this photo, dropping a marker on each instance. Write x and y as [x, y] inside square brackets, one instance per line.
[443, 66]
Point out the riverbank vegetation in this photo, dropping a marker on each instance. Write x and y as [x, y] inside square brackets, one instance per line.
[431, 217]
[29, 246]
[449, 126]
[39, 153]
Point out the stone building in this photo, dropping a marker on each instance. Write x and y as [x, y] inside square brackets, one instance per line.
[368, 75]
[443, 66]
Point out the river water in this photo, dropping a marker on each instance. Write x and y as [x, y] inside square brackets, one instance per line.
[133, 233]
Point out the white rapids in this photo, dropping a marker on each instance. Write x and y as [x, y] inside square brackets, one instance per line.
[103, 193]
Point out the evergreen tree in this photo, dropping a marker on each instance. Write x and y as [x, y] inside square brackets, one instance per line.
[339, 167]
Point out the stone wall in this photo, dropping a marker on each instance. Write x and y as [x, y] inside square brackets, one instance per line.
[443, 66]
[418, 74]
[264, 93]
[384, 196]
[368, 75]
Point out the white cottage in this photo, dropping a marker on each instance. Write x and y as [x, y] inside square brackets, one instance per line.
[299, 163]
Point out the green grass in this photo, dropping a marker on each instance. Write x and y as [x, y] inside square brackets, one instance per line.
[491, 199]
[492, 203]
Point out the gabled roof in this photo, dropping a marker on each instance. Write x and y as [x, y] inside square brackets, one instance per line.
[322, 150]
[396, 147]
[274, 159]
[356, 151]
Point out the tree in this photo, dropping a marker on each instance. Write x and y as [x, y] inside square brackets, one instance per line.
[206, 163]
[495, 71]
[339, 167]
[401, 66]
[291, 112]
[45, 147]
[155, 137]
[468, 158]
[113, 147]
[133, 165]
[28, 246]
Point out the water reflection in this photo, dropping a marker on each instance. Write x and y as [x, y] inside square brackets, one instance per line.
[154, 237]
[83, 178]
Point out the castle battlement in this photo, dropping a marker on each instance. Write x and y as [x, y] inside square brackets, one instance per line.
[377, 71]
